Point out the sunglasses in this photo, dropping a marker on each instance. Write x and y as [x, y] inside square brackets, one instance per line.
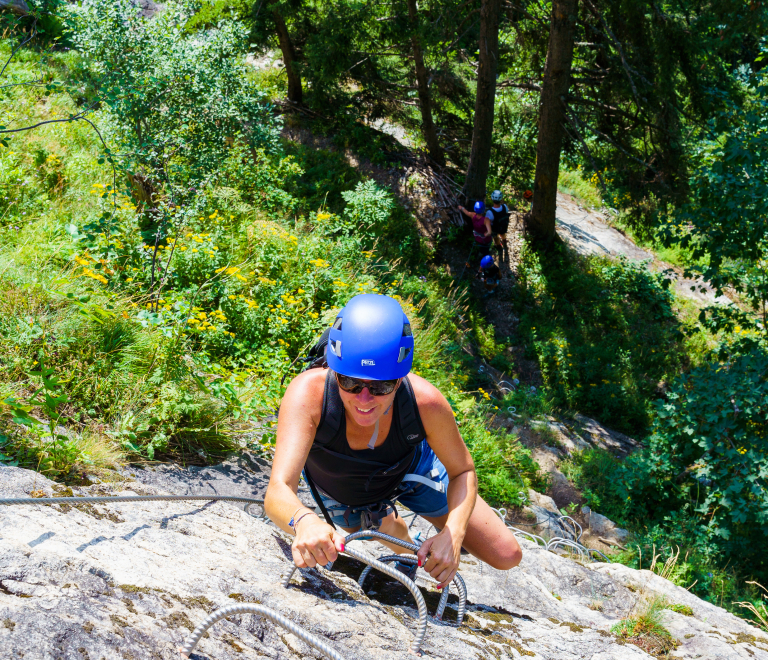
[375, 387]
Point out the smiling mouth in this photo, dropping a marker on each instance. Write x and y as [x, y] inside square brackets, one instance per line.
[365, 411]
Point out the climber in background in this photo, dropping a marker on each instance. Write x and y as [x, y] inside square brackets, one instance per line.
[490, 274]
[528, 196]
[498, 214]
[481, 227]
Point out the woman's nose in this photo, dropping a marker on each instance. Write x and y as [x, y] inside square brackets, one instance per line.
[364, 396]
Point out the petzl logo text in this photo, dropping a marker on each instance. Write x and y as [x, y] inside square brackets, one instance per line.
[368, 363]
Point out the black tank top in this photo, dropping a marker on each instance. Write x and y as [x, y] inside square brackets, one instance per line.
[365, 476]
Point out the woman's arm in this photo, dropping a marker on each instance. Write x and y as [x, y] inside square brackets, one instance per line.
[441, 554]
[487, 227]
[465, 212]
[316, 541]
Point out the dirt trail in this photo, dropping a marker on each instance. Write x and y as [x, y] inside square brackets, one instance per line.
[588, 232]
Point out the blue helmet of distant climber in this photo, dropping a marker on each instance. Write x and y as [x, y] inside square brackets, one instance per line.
[479, 207]
[486, 261]
[496, 196]
[371, 339]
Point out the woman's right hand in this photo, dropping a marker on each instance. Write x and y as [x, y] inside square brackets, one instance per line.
[316, 542]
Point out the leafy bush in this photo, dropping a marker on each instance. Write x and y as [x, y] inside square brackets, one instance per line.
[708, 447]
[724, 222]
[603, 331]
[176, 101]
[368, 206]
[700, 483]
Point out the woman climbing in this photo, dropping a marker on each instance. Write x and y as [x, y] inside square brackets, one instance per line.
[481, 227]
[366, 435]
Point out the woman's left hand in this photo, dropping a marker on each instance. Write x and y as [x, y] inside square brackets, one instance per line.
[440, 556]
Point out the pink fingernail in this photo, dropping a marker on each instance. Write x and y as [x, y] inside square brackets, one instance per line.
[342, 547]
[419, 562]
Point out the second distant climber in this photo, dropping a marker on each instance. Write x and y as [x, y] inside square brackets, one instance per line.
[498, 214]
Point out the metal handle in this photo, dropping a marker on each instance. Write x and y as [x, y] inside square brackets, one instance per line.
[421, 629]
[267, 613]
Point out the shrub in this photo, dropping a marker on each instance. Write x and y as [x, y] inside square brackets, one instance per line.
[603, 332]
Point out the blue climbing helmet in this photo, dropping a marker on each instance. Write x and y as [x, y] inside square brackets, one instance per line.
[479, 207]
[486, 261]
[371, 338]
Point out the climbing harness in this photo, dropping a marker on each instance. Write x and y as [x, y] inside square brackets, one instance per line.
[267, 613]
[557, 541]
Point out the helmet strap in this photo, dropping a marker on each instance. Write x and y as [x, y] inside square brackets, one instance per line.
[375, 436]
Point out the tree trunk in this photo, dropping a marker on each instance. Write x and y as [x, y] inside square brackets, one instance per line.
[289, 59]
[422, 82]
[554, 91]
[482, 130]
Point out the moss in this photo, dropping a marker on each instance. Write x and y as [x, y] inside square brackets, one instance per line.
[7, 623]
[575, 627]
[88, 627]
[554, 620]
[62, 491]
[681, 609]
[118, 623]
[129, 605]
[240, 598]
[231, 641]
[197, 602]
[179, 620]
[132, 589]
[743, 638]
[689, 636]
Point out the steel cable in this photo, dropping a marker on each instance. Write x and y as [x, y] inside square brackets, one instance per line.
[253, 608]
[458, 582]
[248, 501]
[421, 630]
[576, 531]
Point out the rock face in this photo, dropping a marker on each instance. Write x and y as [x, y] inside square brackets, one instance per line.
[130, 580]
[603, 527]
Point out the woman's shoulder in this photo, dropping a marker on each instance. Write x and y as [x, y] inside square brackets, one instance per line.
[305, 392]
[430, 401]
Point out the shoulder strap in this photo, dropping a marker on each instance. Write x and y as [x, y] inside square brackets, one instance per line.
[333, 412]
[411, 427]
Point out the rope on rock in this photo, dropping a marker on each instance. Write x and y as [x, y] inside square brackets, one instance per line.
[252, 608]
[557, 541]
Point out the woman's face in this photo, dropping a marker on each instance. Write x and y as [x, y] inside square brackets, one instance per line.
[365, 409]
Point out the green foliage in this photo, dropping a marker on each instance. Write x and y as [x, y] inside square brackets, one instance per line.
[368, 206]
[604, 333]
[700, 482]
[725, 220]
[685, 610]
[708, 446]
[646, 629]
[176, 101]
